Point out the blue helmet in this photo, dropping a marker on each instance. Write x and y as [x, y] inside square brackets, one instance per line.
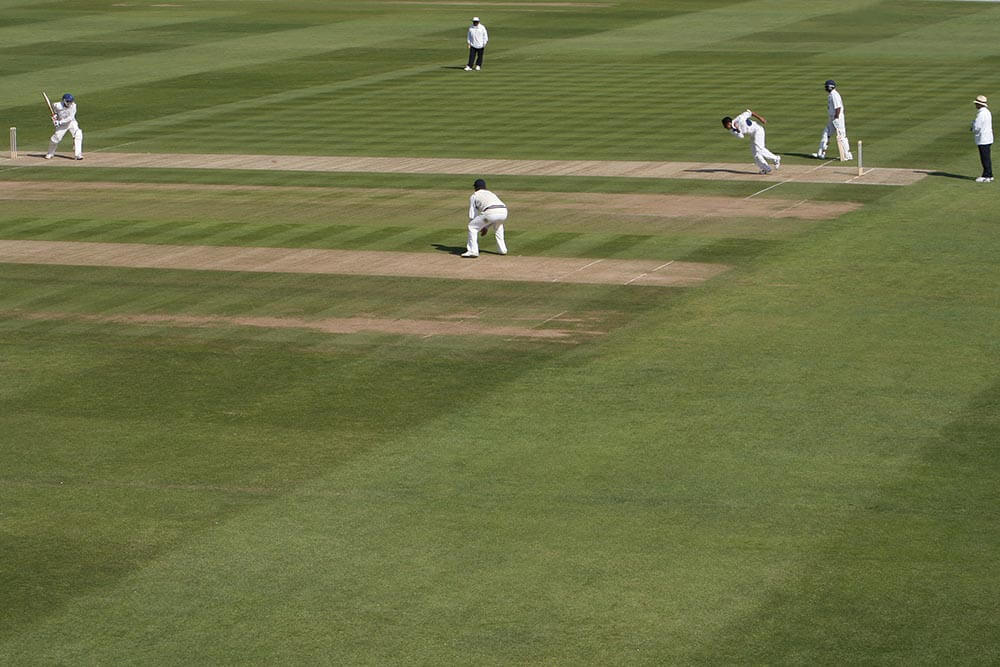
[67, 98]
[830, 84]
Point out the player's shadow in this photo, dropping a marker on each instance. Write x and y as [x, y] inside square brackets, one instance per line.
[450, 249]
[720, 171]
[947, 174]
[809, 156]
[462, 67]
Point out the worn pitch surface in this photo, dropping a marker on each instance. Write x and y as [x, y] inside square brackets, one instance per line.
[821, 172]
[352, 262]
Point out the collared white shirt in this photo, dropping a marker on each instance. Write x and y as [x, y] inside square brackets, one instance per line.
[982, 127]
[478, 36]
[482, 200]
[834, 102]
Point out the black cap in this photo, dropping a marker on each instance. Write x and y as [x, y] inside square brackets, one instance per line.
[480, 184]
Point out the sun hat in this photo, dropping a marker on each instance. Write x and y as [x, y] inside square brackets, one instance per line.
[475, 19]
[981, 99]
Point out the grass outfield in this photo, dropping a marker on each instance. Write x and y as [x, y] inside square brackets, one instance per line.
[794, 462]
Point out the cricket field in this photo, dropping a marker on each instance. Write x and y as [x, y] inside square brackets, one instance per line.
[255, 409]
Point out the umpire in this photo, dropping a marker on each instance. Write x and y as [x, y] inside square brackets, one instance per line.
[477, 39]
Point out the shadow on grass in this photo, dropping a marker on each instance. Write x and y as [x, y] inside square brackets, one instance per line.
[947, 174]
[716, 171]
[450, 249]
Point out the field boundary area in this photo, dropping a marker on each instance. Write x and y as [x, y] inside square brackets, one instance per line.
[655, 273]
[821, 173]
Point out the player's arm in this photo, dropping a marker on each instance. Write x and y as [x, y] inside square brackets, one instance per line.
[756, 116]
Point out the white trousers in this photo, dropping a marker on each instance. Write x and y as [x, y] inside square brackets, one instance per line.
[759, 151]
[493, 217]
[74, 131]
[832, 129]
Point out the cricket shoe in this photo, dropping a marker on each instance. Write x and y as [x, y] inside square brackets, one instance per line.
[478, 68]
[48, 157]
[820, 156]
[850, 156]
[765, 171]
[468, 69]
[777, 163]
[470, 255]
[982, 179]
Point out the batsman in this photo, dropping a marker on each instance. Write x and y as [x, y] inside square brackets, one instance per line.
[64, 119]
[836, 125]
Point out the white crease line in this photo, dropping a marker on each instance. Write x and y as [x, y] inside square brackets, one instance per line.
[787, 180]
[542, 324]
[788, 208]
[643, 275]
[558, 278]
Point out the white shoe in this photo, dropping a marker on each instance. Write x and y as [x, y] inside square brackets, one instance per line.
[48, 157]
[989, 180]
[469, 254]
[982, 179]
[478, 68]
[850, 156]
[468, 69]
[821, 156]
[503, 252]
[78, 157]
[777, 163]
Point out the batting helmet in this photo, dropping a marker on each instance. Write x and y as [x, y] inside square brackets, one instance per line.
[67, 98]
[480, 184]
[830, 84]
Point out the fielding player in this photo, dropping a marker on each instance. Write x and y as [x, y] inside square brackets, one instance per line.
[64, 118]
[477, 39]
[836, 125]
[982, 132]
[485, 209]
[745, 125]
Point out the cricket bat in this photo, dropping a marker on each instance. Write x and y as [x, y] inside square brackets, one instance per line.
[49, 103]
[843, 147]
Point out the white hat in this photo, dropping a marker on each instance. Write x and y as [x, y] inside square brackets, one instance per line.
[475, 19]
[981, 99]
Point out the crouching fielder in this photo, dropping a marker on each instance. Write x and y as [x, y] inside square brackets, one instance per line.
[485, 210]
[751, 125]
[64, 118]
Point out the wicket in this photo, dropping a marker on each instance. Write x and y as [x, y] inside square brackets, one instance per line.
[13, 143]
[860, 169]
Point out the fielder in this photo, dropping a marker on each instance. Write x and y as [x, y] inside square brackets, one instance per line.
[64, 119]
[485, 209]
[836, 126]
[744, 125]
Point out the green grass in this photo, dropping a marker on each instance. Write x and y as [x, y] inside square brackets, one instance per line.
[794, 463]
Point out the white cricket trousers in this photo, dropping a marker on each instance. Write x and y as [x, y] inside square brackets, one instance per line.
[495, 217]
[74, 131]
[759, 151]
[833, 129]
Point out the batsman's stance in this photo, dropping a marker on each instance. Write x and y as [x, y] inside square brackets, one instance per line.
[837, 125]
[485, 209]
[64, 118]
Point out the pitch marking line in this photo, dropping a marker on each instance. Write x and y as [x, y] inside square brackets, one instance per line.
[558, 278]
[643, 275]
[789, 180]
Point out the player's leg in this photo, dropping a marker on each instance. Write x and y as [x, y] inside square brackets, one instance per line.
[54, 141]
[824, 140]
[497, 219]
[77, 140]
[472, 245]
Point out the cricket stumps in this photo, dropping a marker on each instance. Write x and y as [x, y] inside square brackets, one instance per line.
[13, 143]
[860, 158]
